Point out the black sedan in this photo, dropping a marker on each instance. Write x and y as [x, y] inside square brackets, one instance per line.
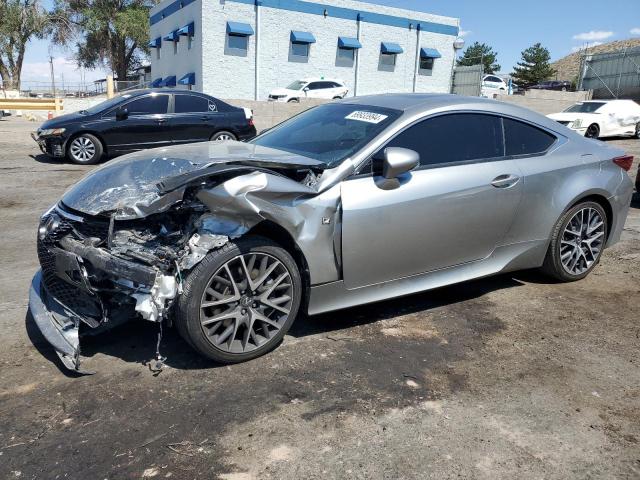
[143, 119]
[561, 85]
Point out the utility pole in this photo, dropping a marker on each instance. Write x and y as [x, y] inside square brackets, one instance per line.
[53, 82]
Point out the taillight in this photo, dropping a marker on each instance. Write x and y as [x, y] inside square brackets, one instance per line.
[624, 162]
[251, 124]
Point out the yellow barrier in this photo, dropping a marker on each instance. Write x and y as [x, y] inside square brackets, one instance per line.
[51, 104]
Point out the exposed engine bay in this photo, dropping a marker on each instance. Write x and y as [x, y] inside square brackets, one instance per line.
[109, 257]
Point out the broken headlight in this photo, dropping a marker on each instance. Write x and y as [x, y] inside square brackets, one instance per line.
[577, 123]
[47, 132]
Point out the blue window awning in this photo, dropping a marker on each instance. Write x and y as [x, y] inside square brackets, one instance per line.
[349, 42]
[156, 83]
[390, 47]
[302, 37]
[241, 29]
[172, 37]
[429, 53]
[168, 82]
[188, 79]
[155, 43]
[187, 30]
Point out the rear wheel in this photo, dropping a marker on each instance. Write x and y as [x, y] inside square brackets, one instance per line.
[85, 149]
[577, 242]
[240, 301]
[222, 136]
[593, 131]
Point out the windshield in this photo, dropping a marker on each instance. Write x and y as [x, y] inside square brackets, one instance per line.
[297, 85]
[588, 107]
[106, 105]
[329, 133]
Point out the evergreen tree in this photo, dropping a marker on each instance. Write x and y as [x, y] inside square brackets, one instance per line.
[534, 66]
[480, 53]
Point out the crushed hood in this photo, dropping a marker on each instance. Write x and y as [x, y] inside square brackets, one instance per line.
[133, 184]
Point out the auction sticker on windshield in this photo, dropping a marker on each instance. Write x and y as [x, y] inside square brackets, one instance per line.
[369, 117]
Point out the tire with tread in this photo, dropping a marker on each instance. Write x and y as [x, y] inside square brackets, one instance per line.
[552, 265]
[216, 136]
[99, 149]
[187, 308]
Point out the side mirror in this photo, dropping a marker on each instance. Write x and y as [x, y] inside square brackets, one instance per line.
[122, 114]
[305, 89]
[394, 161]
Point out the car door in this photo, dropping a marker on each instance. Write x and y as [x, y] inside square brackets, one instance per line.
[194, 118]
[316, 90]
[144, 126]
[456, 207]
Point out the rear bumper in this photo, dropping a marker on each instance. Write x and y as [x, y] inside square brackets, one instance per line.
[58, 325]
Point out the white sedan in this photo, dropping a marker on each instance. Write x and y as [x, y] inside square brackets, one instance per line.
[602, 118]
[310, 88]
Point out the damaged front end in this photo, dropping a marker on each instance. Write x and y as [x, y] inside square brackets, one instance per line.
[123, 253]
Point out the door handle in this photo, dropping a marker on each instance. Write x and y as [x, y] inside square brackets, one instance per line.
[161, 121]
[505, 181]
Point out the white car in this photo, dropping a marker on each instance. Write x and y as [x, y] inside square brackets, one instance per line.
[602, 118]
[492, 84]
[310, 88]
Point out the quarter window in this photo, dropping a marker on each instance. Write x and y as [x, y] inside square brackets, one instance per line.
[453, 138]
[524, 139]
[193, 104]
[149, 105]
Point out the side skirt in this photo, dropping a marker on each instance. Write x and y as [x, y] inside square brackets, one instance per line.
[335, 296]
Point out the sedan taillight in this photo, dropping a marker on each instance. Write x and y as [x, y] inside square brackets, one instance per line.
[624, 162]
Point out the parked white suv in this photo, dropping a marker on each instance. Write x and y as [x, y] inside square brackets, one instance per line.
[310, 88]
[492, 84]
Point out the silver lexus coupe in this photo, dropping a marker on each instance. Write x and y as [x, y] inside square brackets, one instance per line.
[351, 202]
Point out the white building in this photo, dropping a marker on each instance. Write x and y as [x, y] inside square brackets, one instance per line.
[245, 48]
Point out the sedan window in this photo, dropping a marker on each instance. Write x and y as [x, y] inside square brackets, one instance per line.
[149, 105]
[193, 104]
[587, 107]
[453, 138]
[524, 139]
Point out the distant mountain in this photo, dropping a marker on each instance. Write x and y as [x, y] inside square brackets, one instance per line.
[569, 66]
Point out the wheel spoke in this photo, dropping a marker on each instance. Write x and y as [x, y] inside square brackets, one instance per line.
[233, 313]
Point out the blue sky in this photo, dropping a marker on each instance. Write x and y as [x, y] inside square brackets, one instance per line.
[509, 27]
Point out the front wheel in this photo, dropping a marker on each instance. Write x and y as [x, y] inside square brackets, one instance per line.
[239, 302]
[577, 242]
[85, 149]
[593, 131]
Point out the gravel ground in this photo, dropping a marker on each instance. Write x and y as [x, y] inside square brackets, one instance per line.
[508, 377]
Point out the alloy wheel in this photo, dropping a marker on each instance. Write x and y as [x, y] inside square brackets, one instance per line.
[592, 131]
[82, 149]
[582, 241]
[222, 137]
[246, 302]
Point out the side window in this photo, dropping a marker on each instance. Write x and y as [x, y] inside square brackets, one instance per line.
[193, 104]
[524, 139]
[149, 105]
[453, 138]
[315, 86]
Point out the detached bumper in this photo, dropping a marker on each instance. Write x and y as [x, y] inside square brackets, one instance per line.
[50, 146]
[58, 325]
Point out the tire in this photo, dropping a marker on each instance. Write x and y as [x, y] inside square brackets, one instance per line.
[84, 149]
[637, 134]
[293, 100]
[593, 131]
[556, 260]
[564, 89]
[235, 318]
[337, 97]
[222, 135]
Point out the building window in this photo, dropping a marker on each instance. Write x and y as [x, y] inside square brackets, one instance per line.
[238, 42]
[347, 54]
[388, 59]
[299, 49]
[426, 63]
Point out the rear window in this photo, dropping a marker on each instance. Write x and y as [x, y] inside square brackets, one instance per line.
[193, 104]
[524, 139]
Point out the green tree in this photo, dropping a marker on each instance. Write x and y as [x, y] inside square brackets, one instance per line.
[112, 34]
[534, 66]
[480, 53]
[20, 21]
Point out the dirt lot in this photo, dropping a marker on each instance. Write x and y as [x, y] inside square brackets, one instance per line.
[509, 377]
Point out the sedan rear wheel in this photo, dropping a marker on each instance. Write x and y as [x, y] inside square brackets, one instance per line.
[85, 149]
[222, 136]
[239, 301]
[577, 242]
